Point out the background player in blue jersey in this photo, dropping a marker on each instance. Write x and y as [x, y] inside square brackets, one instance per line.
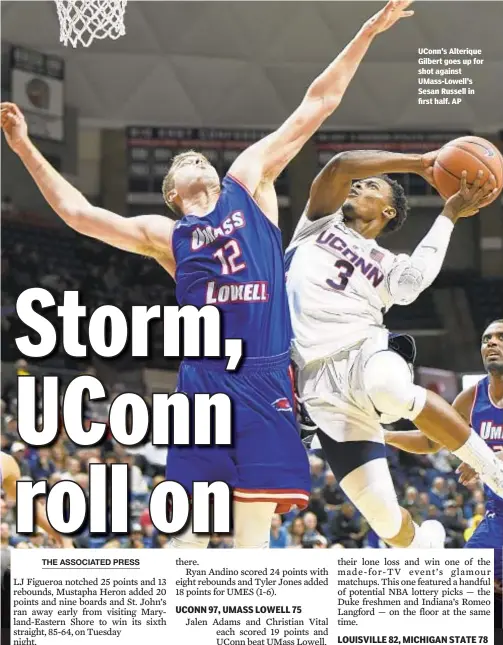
[226, 251]
[481, 405]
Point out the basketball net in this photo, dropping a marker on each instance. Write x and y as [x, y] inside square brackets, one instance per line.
[81, 21]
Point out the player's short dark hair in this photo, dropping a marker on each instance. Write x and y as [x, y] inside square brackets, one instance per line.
[498, 321]
[399, 203]
[169, 183]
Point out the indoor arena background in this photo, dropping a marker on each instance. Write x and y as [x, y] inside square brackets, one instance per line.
[215, 76]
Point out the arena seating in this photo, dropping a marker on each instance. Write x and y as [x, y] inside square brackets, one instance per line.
[420, 315]
[486, 300]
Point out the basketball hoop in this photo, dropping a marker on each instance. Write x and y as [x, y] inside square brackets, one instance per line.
[81, 21]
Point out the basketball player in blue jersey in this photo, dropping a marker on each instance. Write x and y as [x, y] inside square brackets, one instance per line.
[481, 406]
[225, 250]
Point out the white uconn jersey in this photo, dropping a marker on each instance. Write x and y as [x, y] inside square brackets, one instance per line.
[338, 288]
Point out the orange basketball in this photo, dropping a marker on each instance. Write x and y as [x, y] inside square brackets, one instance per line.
[471, 154]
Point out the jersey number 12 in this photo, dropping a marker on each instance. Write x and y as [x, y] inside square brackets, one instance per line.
[229, 255]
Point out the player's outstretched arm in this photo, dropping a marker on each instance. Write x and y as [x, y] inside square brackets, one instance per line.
[147, 234]
[411, 441]
[416, 442]
[412, 275]
[265, 160]
[330, 188]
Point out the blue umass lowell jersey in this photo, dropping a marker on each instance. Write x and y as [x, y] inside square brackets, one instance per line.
[232, 258]
[487, 421]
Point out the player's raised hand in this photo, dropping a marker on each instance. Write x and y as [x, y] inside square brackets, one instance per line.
[468, 200]
[467, 475]
[13, 125]
[394, 11]
[428, 161]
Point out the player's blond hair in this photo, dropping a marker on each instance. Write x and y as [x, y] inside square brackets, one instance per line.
[169, 182]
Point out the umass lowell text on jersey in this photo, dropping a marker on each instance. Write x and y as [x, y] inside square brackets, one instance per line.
[487, 421]
[233, 258]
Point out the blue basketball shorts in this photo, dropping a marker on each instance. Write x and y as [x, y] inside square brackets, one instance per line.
[489, 535]
[267, 460]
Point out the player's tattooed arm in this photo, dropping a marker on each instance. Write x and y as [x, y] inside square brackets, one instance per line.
[332, 185]
[265, 160]
[411, 441]
[147, 235]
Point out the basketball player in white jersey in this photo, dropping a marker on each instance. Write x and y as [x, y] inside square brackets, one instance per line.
[351, 376]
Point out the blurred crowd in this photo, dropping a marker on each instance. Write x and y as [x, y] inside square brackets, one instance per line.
[426, 485]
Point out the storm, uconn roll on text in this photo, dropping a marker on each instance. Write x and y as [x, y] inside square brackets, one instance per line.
[173, 419]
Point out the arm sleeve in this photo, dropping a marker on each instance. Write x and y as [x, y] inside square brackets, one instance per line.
[413, 274]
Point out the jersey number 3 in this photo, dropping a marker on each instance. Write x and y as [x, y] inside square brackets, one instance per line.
[345, 272]
[229, 255]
